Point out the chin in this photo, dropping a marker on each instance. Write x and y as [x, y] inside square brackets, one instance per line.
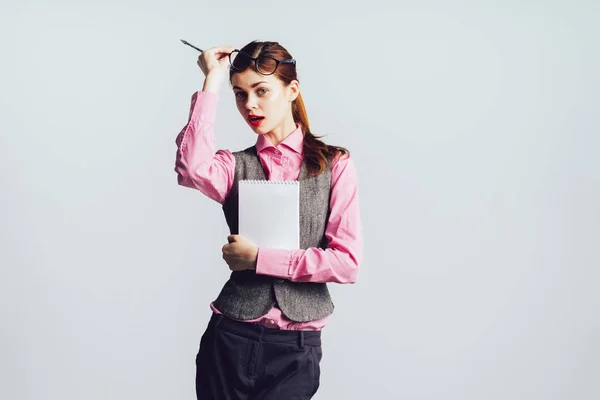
[259, 130]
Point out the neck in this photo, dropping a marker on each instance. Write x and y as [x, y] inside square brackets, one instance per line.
[283, 130]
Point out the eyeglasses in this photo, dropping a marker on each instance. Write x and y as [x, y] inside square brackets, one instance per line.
[264, 65]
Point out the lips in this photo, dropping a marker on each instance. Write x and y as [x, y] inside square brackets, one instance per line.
[255, 120]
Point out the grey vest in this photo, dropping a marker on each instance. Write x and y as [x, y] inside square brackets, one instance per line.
[248, 295]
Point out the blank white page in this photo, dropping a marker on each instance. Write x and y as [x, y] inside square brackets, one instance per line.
[269, 213]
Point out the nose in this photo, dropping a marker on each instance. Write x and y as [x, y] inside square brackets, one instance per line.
[251, 103]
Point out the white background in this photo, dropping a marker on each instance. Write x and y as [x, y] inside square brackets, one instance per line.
[474, 128]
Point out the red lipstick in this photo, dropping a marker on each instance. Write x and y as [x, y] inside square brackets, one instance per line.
[255, 120]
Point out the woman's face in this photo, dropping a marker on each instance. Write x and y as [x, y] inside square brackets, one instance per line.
[263, 101]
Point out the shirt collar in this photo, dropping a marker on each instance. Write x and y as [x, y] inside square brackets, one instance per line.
[294, 141]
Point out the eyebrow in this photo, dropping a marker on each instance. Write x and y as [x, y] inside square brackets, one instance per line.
[253, 85]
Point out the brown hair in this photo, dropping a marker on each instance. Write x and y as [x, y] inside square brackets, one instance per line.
[315, 152]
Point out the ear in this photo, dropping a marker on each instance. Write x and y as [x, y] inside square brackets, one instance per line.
[293, 90]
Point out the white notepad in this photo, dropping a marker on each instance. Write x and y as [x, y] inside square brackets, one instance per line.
[269, 213]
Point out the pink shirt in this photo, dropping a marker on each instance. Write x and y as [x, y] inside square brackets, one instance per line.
[200, 166]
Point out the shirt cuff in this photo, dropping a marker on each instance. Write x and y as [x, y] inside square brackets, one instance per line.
[274, 262]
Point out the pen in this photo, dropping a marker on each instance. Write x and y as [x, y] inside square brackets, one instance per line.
[191, 45]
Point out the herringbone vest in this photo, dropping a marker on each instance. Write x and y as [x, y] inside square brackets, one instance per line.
[248, 295]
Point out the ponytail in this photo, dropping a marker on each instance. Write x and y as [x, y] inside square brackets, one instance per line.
[315, 152]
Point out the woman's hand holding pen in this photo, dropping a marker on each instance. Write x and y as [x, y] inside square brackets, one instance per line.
[214, 62]
[240, 253]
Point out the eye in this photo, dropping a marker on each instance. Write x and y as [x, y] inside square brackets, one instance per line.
[262, 91]
[240, 95]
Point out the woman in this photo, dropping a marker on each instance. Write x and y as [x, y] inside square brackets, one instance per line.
[263, 340]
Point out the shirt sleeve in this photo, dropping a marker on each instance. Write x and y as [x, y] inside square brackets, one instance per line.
[197, 163]
[340, 261]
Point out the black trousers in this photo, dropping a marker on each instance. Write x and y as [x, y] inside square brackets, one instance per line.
[245, 361]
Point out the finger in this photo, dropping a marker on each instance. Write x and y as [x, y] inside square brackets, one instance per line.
[229, 259]
[232, 238]
[224, 49]
[235, 267]
[224, 61]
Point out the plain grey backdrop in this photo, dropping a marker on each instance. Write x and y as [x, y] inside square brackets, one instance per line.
[474, 128]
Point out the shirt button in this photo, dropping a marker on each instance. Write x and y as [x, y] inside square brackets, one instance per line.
[276, 151]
